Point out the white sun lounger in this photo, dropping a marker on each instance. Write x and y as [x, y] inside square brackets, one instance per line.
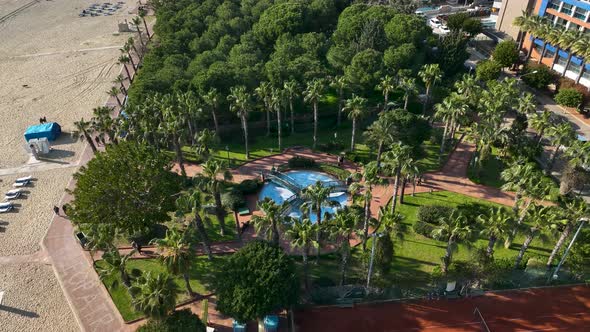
[13, 194]
[5, 207]
[5, 204]
[24, 179]
[21, 184]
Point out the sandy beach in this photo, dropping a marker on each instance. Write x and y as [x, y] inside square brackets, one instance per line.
[58, 65]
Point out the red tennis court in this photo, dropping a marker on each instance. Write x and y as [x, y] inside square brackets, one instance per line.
[541, 309]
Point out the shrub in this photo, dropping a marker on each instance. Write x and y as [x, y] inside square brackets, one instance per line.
[506, 53]
[233, 200]
[179, 321]
[431, 213]
[569, 97]
[423, 228]
[331, 146]
[488, 70]
[301, 162]
[539, 80]
[248, 187]
[383, 253]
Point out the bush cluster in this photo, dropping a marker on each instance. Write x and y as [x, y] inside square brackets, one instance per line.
[248, 187]
[301, 162]
[179, 321]
[428, 217]
[569, 97]
[539, 80]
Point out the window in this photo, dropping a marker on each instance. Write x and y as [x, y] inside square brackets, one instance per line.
[574, 68]
[560, 22]
[580, 13]
[574, 26]
[554, 4]
[586, 74]
[561, 61]
[550, 18]
[566, 8]
[538, 49]
[549, 54]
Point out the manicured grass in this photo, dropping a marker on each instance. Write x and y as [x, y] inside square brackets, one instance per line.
[416, 256]
[200, 274]
[489, 175]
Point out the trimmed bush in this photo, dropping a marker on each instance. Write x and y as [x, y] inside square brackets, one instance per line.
[569, 97]
[233, 200]
[248, 187]
[301, 162]
[179, 321]
[432, 213]
[539, 80]
[488, 70]
[423, 228]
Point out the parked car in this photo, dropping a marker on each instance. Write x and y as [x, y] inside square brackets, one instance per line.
[444, 29]
[434, 23]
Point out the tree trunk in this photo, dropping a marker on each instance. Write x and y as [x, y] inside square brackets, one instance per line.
[315, 124]
[136, 52]
[90, 141]
[554, 60]
[318, 234]
[129, 77]
[220, 212]
[279, 129]
[353, 134]
[580, 75]
[340, 95]
[245, 128]
[530, 53]
[427, 99]
[123, 90]
[306, 267]
[132, 62]
[403, 191]
[215, 123]
[567, 64]
[553, 158]
[385, 100]
[344, 261]
[147, 32]
[542, 53]
[140, 37]
[406, 100]
[189, 289]
[379, 153]
[118, 100]
[448, 255]
[564, 235]
[395, 190]
[491, 244]
[203, 234]
[442, 142]
[238, 230]
[292, 116]
[414, 185]
[179, 156]
[267, 122]
[523, 249]
[517, 198]
[367, 217]
[125, 277]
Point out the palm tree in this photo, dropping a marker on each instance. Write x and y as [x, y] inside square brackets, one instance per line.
[379, 134]
[114, 266]
[315, 197]
[430, 74]
[452, 228]
[131, 43]
[340, 83]
[408, 85]
[291, 91]
[538, 219]
[114, 92]
[496, 226]
[516, 178]
[526, 104]
[566, 41]
[386, 86]
[313, 94]
[302, 235]
[561, 135]
[103, 123]
[394, 161]
[543, 32]
[124, 60]
[448, 111]
[276, 103]
[141, 12]
[126, 50]
[240, 104]
[269, 222]
[83, 131]
[173, 124]
[154, 295]
[176, 254]
[568, 218]
[341, 228]
[136, 22]
[582, 48]
[356, 108]
[371, 178]
[192, 112]
[264, 92]
[120, 80]
[391, 222]
[211, 98]
[522, 22]
[540, 122]
[191, 202]
[211, 170]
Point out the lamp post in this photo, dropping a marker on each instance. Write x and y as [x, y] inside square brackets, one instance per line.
[228, 161]
[555, 275]
[374, 236]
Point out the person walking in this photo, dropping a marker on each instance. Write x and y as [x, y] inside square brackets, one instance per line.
[56, 210]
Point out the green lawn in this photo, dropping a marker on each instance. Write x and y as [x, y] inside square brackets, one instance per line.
[416, 256]
[200, 274]
[489, 175]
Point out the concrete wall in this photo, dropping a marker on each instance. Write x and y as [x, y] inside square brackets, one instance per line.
[510, 10]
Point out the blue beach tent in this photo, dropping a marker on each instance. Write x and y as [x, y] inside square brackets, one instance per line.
[50, 130]
[271, 323]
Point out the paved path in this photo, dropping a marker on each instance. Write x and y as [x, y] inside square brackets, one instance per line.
[543, 309]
